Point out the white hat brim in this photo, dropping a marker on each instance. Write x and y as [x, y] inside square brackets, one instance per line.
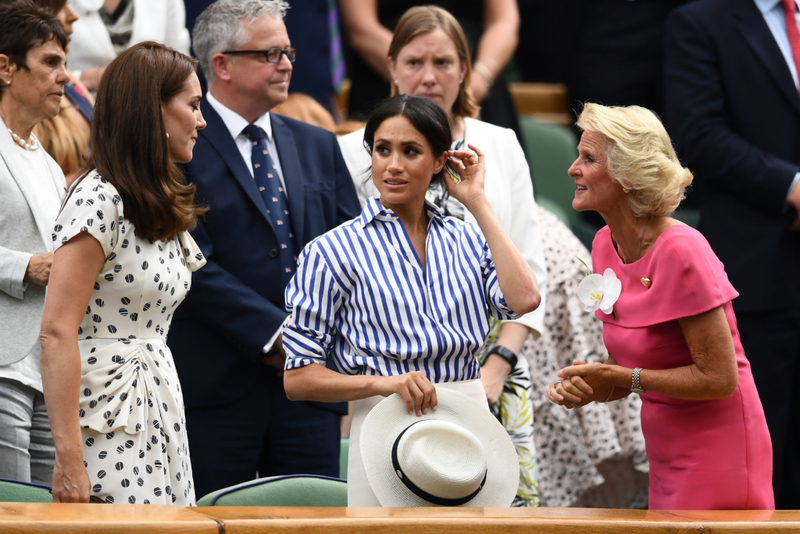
[389, 418]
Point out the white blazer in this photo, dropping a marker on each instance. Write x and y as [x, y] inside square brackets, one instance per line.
[163, 21]
[22, 236]
[508, 187]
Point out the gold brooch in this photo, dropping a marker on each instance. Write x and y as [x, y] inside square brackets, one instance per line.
[646, 282]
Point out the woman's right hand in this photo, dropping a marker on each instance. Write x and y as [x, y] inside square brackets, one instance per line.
[38, 271]
[70, 480]
[417, 391]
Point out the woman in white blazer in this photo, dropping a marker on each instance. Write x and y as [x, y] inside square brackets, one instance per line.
[429, 57]
[91, 49]
[32, 78]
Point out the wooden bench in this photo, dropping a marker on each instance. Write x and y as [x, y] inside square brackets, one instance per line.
[136, 519]
[241, 520]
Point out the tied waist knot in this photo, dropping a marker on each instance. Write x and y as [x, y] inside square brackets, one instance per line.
[119, 384]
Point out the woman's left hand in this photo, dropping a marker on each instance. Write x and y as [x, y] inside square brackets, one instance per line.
[593, 375]
[472, 170]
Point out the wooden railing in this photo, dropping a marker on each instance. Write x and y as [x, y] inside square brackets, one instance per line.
[124, 519]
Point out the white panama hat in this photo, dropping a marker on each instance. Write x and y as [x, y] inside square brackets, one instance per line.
[459, 455]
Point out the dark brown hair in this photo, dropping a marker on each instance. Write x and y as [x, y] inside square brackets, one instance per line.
[23, 27]
[129, 139]
[53, 6]
[425, 19]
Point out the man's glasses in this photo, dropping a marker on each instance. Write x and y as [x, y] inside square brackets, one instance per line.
[273, 55]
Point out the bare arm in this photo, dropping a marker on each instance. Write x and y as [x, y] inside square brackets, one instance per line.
[497, 44]
[318, 383]
[367, 36]
[496, 368]
[515, 276]
[75, 269]
[713, 373]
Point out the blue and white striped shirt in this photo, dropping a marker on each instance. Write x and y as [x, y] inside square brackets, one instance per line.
[361, 295]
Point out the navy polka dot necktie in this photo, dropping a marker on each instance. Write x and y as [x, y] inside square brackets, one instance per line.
[269, 185]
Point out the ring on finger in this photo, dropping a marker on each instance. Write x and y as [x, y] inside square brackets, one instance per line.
[556, 383]
[575, 405]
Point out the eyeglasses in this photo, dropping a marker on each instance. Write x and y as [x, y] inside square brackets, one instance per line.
[273, 55]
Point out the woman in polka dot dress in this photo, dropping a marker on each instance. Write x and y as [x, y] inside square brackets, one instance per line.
[123, 263]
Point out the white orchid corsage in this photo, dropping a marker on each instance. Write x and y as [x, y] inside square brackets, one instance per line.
[600, 291]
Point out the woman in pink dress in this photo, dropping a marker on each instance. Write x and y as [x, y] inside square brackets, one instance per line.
[668, 324]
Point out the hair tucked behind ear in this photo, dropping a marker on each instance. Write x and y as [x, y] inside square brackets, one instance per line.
[129, 139]
[640, 156]
[424, 115]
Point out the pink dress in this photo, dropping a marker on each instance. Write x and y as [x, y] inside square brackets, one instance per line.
[704, 455]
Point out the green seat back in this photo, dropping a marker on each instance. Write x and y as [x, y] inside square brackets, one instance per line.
[344, 451]
[550, 149]
[292, 490]
[14, 491]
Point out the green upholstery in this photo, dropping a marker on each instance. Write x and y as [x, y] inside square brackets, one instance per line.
[14, 491]
[344, 451]
[550, 149]
[293, 490]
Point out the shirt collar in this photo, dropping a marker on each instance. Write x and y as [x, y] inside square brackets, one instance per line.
[234, 122]
[373, 209]
[765, 6]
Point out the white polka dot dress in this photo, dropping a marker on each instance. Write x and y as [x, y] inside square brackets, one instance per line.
[132, 416]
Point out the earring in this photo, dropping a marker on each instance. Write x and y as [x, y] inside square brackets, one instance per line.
[167, 135]
[8, 82]
[395, 82]
[626, 190]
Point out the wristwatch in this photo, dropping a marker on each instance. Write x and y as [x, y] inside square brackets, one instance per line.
[636, 384]
[505, 353]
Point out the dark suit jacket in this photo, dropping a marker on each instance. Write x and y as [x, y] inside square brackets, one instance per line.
[237, 301]
[734, 114]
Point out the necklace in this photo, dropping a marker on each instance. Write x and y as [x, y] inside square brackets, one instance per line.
[32, 146]
[639, 248]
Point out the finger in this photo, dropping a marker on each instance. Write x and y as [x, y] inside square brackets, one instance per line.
[407, 399]
[581, 387]
[570, 397]
[418, 396]
[430, 393]
[554, 395]
[477, 151]
[578, 362]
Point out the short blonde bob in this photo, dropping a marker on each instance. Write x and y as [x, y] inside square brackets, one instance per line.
[425, 19]
[640, 157]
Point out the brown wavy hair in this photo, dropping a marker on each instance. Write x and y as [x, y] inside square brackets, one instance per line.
[129, 139]
[425, 19]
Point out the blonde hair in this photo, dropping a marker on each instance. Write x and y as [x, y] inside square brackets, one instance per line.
[65, 139]
[304, 108]
[425, 19]
[640, 156]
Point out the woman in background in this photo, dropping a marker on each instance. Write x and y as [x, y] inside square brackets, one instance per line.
[32, 79]
[66, 136]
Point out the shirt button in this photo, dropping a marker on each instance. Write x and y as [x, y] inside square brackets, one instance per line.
[273, 253]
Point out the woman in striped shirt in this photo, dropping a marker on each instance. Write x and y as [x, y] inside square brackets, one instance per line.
[399, 298]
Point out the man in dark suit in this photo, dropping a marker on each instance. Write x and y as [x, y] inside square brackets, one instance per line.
[733, 109]
[273, 184]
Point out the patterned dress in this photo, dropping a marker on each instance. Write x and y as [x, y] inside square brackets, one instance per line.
[135, 446]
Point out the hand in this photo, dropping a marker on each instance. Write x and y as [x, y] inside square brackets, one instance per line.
[472, 170]
[276, 357]
[38, 271]
[595, 376]
[70, 480]
[417, 391]
[493, 375]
